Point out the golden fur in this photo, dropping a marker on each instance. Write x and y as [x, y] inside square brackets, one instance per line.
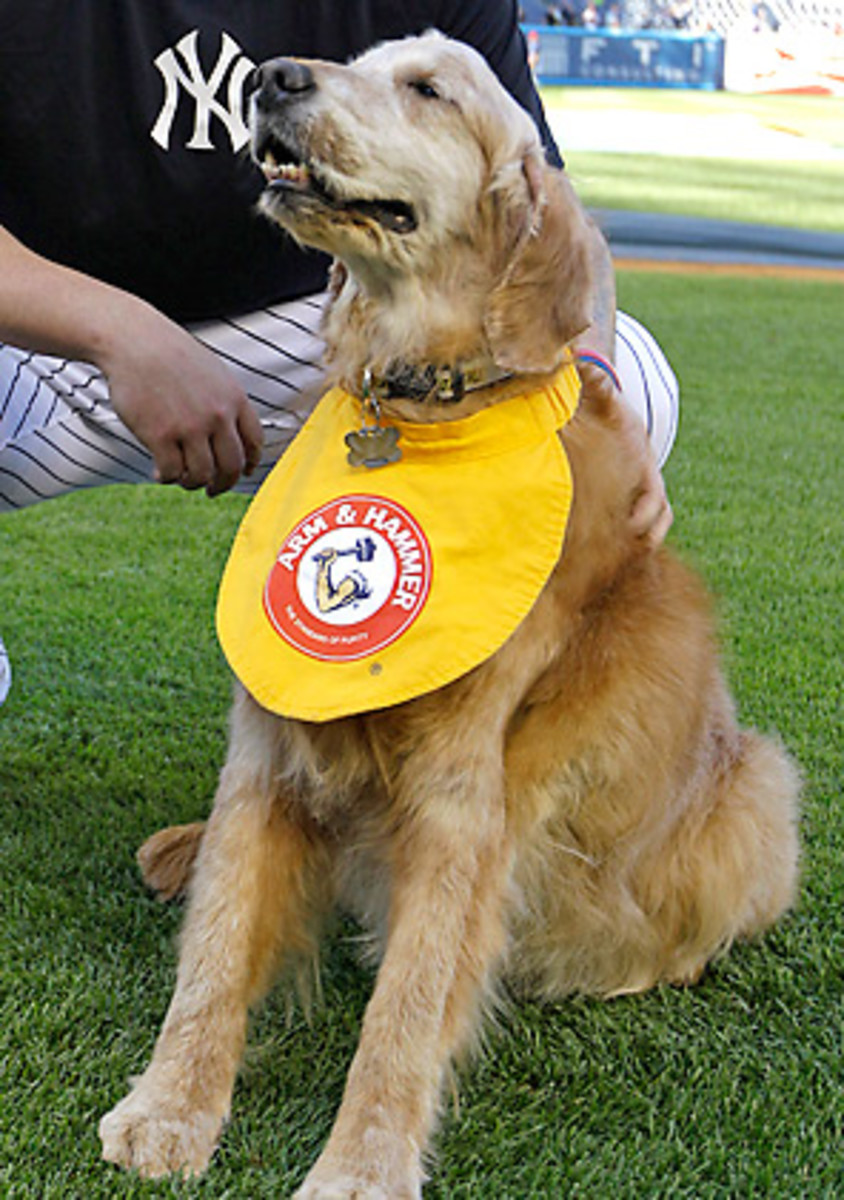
[582, 811]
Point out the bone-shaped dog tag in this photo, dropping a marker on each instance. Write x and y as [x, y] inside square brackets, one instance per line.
[373, 446]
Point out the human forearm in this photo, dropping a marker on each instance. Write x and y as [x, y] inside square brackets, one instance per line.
[174, 395]
[51, 309]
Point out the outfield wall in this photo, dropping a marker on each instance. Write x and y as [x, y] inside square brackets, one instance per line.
[625, 58]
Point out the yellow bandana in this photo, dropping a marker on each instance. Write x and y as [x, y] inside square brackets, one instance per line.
[349, 589]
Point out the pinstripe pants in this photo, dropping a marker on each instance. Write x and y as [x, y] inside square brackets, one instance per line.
[58, 431]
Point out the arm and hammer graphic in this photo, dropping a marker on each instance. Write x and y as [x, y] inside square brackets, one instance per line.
[352, 587]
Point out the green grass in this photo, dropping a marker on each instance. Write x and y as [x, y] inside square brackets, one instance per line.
[806, 195]
[116, 725]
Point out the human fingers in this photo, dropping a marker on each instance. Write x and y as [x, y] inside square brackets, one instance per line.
[651, 516]
[230, 461]
[252, 437]
[200, 469]
[659, 530]
[237, 448]
[168, 460]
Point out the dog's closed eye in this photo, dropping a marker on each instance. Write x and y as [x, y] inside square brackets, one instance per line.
[425, 88]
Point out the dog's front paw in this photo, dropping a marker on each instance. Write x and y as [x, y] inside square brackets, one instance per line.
[377, 1171]
[373, 1158]
[154, 1137]
[322, 1185]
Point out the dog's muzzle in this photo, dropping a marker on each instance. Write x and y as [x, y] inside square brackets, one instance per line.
[282, 86]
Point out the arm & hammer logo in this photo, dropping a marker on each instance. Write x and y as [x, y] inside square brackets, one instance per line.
[349, 579]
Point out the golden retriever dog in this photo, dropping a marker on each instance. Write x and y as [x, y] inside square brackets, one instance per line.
[580, 813]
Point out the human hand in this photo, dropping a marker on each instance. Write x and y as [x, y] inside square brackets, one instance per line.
[182, 404]
[649, 515]
[174, 395]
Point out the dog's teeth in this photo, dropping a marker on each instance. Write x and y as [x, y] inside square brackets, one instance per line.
[296, 174]
[291, 172]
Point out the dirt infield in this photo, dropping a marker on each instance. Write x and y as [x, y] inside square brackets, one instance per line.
[751, 270]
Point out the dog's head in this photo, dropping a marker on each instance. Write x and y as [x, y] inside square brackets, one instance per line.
[418, 171]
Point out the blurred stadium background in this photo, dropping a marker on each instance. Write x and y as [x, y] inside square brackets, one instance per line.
[743, 45]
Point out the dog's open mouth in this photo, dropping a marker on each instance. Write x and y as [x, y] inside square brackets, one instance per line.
[285, 171]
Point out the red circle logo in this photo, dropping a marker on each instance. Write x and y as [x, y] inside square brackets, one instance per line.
[349, 579]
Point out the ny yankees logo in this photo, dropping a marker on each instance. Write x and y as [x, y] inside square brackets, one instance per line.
[188, 74]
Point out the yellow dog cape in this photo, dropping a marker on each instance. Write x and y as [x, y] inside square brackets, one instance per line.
[349, 589]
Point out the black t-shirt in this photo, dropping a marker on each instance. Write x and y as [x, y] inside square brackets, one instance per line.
[123, 137]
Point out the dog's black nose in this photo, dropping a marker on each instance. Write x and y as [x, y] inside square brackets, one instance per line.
[281, 77]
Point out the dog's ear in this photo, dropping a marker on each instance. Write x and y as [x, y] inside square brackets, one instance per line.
[543, 298]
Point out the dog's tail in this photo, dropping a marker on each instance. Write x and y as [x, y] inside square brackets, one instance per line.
[167, 859]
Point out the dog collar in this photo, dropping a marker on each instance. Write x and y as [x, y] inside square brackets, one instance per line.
[441, 384]
[349, 590]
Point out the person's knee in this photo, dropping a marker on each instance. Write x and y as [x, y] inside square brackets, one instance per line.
[649, 385]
